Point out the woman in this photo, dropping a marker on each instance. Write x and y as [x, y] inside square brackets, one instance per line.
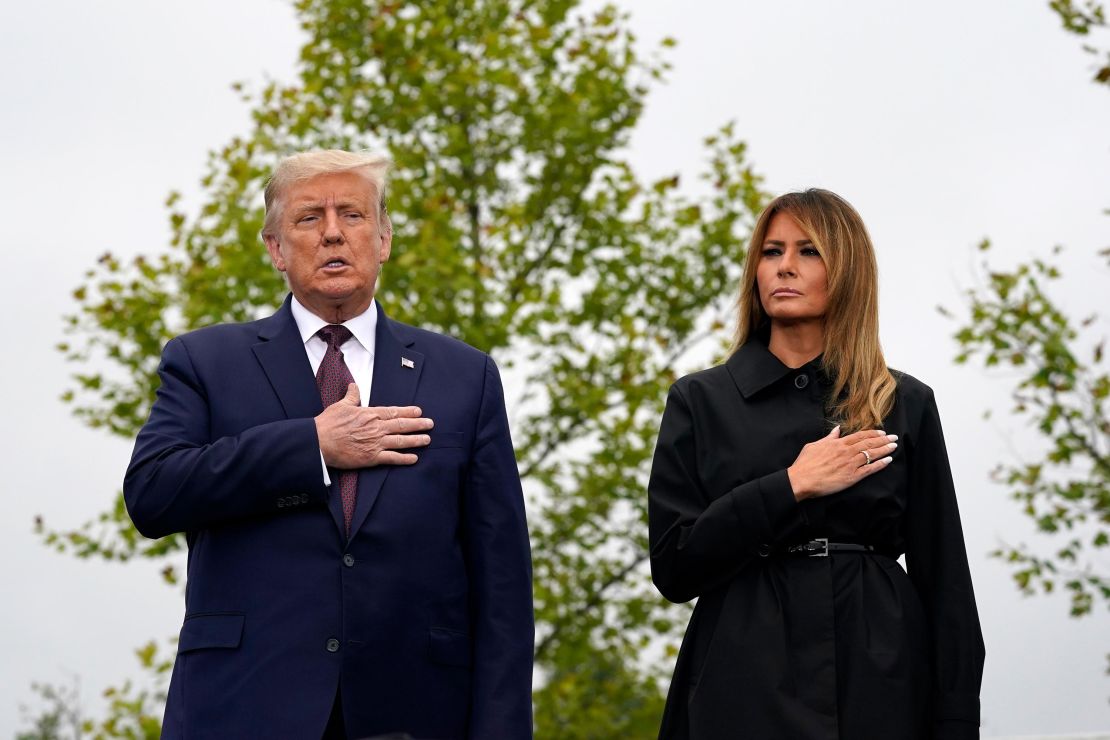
[785, 485]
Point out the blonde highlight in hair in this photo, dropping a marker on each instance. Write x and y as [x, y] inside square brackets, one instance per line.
[374, 166]
[862, 385]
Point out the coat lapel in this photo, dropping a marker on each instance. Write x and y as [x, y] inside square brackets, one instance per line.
[282, 356]
[285, 362]
[397, 369]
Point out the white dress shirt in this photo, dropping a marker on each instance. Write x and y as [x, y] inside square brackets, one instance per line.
[358, 351]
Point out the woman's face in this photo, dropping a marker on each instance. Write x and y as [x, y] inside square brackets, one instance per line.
[791, 276]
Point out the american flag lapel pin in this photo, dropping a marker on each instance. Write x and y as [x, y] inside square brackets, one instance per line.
[406, 362]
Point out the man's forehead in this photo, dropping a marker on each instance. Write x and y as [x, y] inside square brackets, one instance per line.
[340, 187]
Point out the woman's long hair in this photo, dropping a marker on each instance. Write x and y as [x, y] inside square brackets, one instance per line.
[862, 385]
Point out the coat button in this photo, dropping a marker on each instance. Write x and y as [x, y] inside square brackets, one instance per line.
[348, 560]
[801, 381]
[764, 550]
[332, 645]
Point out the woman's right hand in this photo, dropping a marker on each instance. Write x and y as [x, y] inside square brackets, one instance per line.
[834, 463]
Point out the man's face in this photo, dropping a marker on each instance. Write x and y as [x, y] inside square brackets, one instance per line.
[330, 244]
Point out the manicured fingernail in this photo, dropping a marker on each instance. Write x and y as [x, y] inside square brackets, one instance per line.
[887, 460]
[893, 445]
[892, 437]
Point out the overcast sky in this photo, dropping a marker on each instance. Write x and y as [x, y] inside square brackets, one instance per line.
[942, 122]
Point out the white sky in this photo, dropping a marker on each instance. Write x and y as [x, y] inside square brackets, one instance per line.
[942, 122]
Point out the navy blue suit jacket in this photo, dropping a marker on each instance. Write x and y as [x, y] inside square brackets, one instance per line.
[423, 616]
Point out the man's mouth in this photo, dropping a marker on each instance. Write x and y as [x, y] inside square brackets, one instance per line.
[335, 263]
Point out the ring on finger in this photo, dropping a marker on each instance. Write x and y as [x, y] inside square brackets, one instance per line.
[867, 456]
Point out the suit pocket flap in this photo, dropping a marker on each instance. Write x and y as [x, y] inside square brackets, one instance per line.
[210, 631]
[449, 647]
[443, 439]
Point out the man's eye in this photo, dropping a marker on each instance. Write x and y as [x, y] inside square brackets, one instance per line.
[354, 216]
[306, 219]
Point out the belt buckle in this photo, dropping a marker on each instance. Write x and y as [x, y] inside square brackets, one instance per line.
[823, 543]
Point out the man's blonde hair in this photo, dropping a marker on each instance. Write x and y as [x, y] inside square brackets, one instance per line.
[374, 166]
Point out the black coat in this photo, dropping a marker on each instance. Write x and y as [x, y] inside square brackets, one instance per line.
[808, 648]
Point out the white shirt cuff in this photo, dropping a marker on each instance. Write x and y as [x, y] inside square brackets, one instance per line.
[324, 466]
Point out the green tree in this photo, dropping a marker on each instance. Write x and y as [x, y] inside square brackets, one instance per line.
[1062, 390]
[132, 712]
[520, 228]
[1087, 19]
[1062, 387]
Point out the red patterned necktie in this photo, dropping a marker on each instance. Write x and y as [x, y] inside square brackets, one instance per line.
[332, 379]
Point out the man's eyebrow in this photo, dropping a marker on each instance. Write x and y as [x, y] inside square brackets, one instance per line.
[312, 205]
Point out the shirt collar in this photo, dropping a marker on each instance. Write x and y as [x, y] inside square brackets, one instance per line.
[754, 368]
[363, 327]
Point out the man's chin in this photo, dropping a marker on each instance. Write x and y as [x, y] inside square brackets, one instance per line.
[336, 303]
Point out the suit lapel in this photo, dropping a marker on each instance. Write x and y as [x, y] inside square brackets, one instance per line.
[285, 362]
[397, 369]
[282, 356]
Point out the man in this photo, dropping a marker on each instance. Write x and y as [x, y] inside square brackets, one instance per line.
[358, 555]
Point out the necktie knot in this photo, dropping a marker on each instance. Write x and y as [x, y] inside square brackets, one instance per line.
[335, 335]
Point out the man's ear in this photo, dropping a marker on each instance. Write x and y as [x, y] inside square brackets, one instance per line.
[274, 248]
[385, 231]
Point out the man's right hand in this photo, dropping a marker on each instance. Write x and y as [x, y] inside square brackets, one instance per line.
[355, 437]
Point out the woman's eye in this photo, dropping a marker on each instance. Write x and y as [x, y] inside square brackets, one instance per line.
[771, 251]
[810, 252]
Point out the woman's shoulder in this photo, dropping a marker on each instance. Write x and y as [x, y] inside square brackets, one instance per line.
[709, 379]
[911, 390]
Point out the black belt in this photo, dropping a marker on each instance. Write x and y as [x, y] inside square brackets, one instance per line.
[821, 547]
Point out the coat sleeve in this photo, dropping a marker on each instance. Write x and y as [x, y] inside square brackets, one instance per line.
[937, 564]
[700, 539]
[499, 566]
[180, 480]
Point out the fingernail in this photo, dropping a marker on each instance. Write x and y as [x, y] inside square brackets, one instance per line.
[892, 437]
[893, 445]
[887, 460]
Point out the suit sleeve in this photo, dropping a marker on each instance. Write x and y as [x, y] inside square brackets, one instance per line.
[500, 571]
[180, 479]
[937, 564]
[699, 541]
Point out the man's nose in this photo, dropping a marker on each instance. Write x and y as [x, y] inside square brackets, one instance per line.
[332, 233]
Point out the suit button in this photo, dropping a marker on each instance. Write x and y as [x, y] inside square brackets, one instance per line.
[801, 381]
[348, 560]
[332, 645]
[764, 550]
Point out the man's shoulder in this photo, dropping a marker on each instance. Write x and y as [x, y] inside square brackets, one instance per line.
[427, 340]
[228, 333]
